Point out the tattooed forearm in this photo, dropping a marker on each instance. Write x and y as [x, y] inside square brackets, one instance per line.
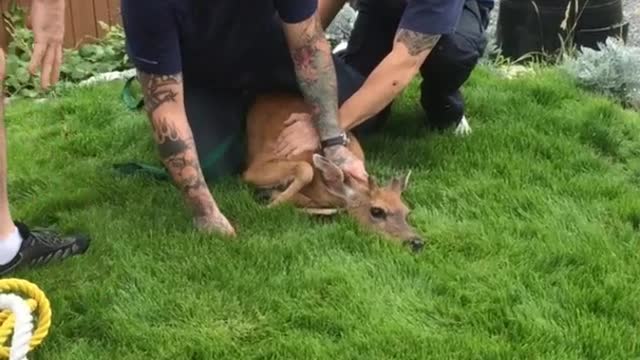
[317, 79]
[168, 140]
[186, 171]
[180, 157]
[416, 42]
[158, 89]
[174, 140]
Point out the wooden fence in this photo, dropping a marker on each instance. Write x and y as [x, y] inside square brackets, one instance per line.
[82, 19]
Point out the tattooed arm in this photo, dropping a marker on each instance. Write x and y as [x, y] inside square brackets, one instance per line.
[311, 54]
[313, 62]
[164, 103]
[389, 78]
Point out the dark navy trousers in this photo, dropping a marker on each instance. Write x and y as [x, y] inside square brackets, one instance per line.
[447, 67]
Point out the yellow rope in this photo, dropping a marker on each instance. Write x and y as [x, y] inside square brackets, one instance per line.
[36, 300]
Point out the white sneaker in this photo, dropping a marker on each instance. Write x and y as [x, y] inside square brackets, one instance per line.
[463, 127]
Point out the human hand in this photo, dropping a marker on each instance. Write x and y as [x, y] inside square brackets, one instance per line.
[207, 216]
[47, 23]
[298, 136]
[214, 222]
[345, 160]
[2, 70]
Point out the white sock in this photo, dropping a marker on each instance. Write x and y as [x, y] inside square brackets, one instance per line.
[9, 247]
[463, 127]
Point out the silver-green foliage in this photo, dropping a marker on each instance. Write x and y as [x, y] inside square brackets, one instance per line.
[613, 70]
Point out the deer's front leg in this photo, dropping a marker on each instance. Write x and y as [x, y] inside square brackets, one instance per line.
[273, 173]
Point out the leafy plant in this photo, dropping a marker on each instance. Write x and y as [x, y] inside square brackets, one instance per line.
[101, 55]
[613, 70]
[340, 28]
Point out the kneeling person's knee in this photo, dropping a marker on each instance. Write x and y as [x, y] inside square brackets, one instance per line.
[460, 50]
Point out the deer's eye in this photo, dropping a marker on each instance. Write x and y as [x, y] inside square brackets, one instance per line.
[378, 213]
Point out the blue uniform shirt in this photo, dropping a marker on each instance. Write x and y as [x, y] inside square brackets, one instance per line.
[431, 16]
[207, 38]
[435, 16]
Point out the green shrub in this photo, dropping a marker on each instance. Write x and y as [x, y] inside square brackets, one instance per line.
[613, 70]
[103, 55]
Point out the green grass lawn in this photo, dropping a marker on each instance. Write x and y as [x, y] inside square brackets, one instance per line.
[533, 225]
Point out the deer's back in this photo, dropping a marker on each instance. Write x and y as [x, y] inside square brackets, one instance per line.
[265, 122]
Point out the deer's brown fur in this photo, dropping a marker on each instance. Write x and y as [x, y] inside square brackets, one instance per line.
[310, 181]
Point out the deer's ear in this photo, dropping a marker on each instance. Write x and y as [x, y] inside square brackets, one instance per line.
[332, 175]
[400, 184]
[330, 172]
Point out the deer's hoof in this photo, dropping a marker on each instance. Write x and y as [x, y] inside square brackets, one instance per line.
[416, 244]
[263, 196]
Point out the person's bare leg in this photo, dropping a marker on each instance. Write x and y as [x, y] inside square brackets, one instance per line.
[10, 239]
[6, 224]
[18, 244]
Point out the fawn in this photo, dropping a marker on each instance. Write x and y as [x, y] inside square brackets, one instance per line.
[311, 182]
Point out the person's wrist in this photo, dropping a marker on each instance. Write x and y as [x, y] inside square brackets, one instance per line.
[333, 151]
[340, 139]
[201, 203]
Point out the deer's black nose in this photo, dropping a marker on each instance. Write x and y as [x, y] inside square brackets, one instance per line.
[416, 244]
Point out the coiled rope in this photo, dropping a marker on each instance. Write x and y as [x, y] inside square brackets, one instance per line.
[16, 317]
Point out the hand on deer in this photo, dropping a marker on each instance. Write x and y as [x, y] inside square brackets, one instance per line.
[298, 136]
[345, 160]
[47, 21]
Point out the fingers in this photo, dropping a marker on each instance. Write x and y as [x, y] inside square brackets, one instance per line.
[360, 176]
[296, 138]
[37, 56]
[292, 135]
[289, 149]
[2, 66]
[359, 173]
[285, 140]
[293, 118]
[286, 151]
[47, 65]
[283, 137]
[224, 226]
[216, 223]
[57, 64]
[357, 170]
[227, 230]
[365, 174]
[49, 59]
[280, 147]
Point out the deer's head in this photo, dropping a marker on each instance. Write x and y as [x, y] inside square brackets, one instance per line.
[377, 208]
